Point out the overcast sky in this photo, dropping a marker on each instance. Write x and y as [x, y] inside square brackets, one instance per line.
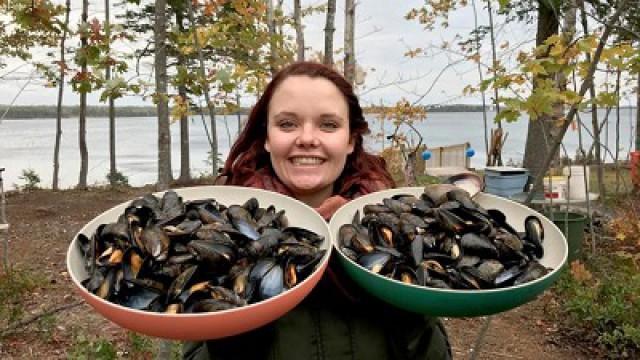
[383, 36]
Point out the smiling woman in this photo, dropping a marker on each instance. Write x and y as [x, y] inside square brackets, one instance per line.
[304, 138]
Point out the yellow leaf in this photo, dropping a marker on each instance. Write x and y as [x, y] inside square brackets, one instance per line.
[621, 237]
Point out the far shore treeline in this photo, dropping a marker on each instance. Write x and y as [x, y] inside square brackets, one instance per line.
[49, 111]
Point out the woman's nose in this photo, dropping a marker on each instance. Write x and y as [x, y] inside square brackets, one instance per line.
[307, 136]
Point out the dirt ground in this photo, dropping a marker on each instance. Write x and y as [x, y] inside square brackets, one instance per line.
[44, 222]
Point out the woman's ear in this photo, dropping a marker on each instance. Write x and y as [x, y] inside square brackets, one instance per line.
[352, 144]
[266, 145]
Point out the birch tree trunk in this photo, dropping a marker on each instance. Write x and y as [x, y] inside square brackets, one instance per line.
[480, 76]
[539, 136]
[638, 114]
[112, 111]
[56, 149]
[349, 41]
[271, 24]
[297, 20]
[185, 166]
[594, 111]
[164, 134]
[497, 160]
[82, 128]
[205, 88]
[328, 33]
[617, 153]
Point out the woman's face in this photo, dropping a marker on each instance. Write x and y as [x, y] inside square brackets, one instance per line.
[308, 136]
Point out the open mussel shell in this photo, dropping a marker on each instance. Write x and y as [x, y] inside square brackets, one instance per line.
[195, 326]
[468, 181]
[437, 301]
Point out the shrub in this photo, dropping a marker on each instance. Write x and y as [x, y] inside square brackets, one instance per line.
[601, 298]
[31, 179]
[118, 179]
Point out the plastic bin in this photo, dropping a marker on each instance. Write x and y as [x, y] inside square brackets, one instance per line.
[505, 181]
[572, 225]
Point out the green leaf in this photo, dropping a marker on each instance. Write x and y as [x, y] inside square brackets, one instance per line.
[508, 115]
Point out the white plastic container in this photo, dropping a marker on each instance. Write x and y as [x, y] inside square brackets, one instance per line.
[555, 187]
[576, 175]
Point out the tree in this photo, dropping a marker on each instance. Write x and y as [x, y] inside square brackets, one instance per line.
[161, 96]
[82, 128]
[60, 81]
[113, 171]
[328, 33]
[542, 130]
[297, 19]
[349, 41]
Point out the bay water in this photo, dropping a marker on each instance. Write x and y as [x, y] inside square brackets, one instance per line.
[28, 144]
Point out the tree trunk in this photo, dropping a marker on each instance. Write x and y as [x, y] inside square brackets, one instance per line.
[112, 111]
[410, 169]
[617, 153]
[271, 24]
[594, 112]
[205, 87]
[185, 166]
[56, 149]
[636, 185]
[185, 161]
[638, 115]
[497, 160]
[539, 137]
[297, 20]
[349, 41]
[164, 134]
[484, 101]
[82, 129]
[328, 33]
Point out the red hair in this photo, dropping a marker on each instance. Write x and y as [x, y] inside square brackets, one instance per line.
[363, 172]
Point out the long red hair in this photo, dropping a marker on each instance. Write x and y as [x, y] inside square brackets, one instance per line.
[363, 172]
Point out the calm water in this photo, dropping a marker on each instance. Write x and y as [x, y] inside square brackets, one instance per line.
[28, 144]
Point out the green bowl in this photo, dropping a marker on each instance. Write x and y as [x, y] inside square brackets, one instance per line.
[454, 303]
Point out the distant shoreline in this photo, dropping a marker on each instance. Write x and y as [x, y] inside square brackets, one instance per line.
[50, 111]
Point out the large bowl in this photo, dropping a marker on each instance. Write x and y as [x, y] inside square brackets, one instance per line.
[215, 324]
[454, 303]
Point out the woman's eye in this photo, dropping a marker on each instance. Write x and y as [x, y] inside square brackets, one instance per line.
[286, 124]
[330, 125]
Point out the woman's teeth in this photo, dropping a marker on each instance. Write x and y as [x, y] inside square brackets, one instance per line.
[306, 161]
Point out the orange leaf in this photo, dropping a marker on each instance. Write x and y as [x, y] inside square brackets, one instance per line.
[580, 272]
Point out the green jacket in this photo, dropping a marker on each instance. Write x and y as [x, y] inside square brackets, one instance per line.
[330, 325]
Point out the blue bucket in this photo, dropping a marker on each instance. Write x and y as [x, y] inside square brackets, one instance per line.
[505, 184]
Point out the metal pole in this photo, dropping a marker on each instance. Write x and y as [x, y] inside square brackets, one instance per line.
[480, 339]
[4, 226]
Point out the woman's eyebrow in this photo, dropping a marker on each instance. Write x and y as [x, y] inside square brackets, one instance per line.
[286, 114]
[330, 116]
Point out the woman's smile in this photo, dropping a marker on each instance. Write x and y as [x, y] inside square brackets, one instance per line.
[306, 161]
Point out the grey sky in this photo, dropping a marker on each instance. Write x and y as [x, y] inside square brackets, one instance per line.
[383, 36]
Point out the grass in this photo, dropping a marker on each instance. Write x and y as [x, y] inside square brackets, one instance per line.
[84, 347]
[15, 286]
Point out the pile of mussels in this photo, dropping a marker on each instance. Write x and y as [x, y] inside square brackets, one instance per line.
[166, 255]
[443, 239]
